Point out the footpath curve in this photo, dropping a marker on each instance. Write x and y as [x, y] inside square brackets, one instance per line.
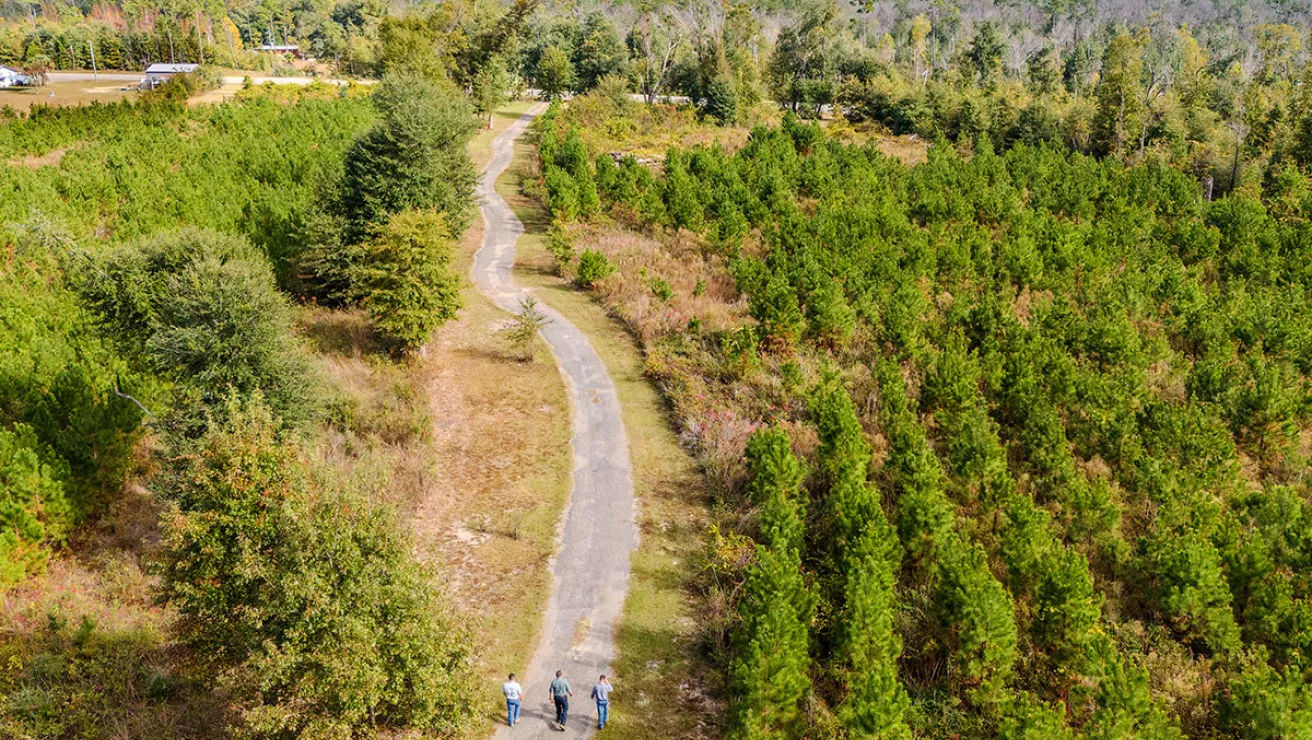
[590, 572]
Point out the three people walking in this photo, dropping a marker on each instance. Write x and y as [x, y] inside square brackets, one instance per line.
[560, 691]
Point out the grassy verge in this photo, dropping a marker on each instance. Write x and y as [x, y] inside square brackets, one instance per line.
[503, 467]
[502, 446]
[657, 680]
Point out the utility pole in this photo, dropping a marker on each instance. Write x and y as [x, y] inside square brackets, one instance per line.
[95, 73]
[200, 43]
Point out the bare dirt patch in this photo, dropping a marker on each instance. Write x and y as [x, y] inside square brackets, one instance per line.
[49, 159]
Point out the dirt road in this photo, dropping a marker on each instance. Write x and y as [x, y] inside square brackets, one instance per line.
[591, 570]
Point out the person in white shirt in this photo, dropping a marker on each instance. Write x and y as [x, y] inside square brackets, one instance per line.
[513, 692]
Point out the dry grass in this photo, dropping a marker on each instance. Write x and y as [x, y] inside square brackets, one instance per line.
[908, 148]
[85, 651]
[660, 689]
[650, 130]
[65, 93]
[701, 287]
[221, 94]
[32, 161]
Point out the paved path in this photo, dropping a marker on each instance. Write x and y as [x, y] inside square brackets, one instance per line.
[591, 571]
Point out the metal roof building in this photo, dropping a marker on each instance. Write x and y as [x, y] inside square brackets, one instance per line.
[165, 70]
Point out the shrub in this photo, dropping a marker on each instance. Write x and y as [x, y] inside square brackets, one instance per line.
[178, 88]
[201, 309]
[661, 288]
[593, 268]
[58, 376]
[403, 278]
[302, 598]
[33, 510]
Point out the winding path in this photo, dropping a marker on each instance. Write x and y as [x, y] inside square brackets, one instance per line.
[591, 570]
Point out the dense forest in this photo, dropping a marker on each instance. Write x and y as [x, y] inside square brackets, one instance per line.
[1011, 442]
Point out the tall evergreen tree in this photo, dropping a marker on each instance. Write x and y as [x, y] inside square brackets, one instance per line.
[769, 675]
[1121, 112]
[414, 157]
[866, 551]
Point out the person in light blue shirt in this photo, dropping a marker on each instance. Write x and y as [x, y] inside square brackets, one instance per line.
[601, 692]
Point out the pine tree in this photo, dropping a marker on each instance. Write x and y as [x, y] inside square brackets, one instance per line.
[769, 675]
[414, 157]
[869, 643]
[683, 199]
[562, 194]
[978, 612]
[404, 278]
[1125, 708]
[831, 316]
[777, 309]
[866, 550]
[1266, 704]
[1027, 718]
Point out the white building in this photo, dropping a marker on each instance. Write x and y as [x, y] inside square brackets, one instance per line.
[156, 74]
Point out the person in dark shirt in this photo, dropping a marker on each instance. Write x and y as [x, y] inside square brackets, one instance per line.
[561, 691]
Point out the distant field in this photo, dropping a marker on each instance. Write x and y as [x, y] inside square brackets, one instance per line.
[66, 93]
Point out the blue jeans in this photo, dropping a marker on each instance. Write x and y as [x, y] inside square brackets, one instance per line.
[562, 709]
[512, 711]
[603, 713]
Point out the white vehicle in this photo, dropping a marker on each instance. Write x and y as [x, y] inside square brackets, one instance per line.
[10, 77]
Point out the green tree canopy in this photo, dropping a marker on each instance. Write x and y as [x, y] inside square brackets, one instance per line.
[414, 157]
[300, 596]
